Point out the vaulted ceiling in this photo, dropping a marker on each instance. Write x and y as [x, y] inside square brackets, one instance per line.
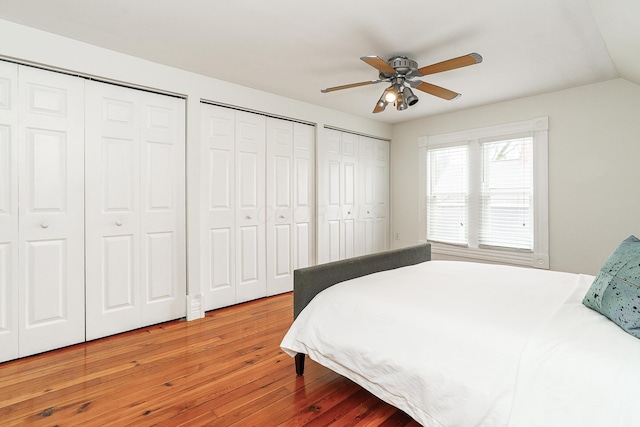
[295, 48]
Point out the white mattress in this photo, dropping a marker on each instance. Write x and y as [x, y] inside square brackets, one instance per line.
[467, 344]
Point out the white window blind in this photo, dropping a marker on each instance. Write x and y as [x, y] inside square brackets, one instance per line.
[506, 194]
[447, 195]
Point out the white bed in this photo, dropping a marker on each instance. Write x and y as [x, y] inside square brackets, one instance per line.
[468, 344]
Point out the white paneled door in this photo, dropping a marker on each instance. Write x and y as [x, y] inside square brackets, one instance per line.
[218, 257]
[353, 194]
[349, 193]
[235, 254]
[373, 194]
[331, 228]
[380, 212]
[250, 206]
[289, 201]
[51, 210]
[9, 307]
[260, 204]
[135, 213]
[303, 196]
[279, 206]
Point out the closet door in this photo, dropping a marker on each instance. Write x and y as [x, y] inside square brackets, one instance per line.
[51, 210]
[8, 212]
[250, 206]
[353, 194]
[381, 196]
[303, 196]
[337, 209]
[113, 210]
[135, 209]
[365, 196]
[280, 239]
[289, 202]
[218, 257]
[348, 191]
[162, 209]
[331, 239]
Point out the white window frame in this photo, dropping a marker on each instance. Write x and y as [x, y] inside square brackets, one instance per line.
[539, 129]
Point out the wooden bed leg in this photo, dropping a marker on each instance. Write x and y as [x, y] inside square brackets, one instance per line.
[300, 363]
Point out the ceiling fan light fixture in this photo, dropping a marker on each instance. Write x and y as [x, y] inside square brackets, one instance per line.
[390, 95]
[409, 96]
[401, 104]
[380, 105]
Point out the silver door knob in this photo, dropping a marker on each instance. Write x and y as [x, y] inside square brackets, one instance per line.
[44, 225]
[281, 216]
[119, 223]
[248, 216]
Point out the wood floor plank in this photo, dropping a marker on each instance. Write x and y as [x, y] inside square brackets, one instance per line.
[225, 369]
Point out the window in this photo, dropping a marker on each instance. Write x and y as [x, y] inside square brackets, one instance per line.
[447, 195]
[483, 193]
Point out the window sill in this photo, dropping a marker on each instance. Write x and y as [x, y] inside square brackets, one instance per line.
[491, 255]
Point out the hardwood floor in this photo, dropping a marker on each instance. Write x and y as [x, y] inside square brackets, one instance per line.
[224, 370]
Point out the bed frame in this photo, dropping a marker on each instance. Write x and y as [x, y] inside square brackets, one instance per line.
[308, 282]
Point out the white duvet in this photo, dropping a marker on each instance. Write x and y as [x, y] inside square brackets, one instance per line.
[467, 344]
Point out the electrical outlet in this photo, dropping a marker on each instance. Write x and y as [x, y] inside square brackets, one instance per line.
[397, 236]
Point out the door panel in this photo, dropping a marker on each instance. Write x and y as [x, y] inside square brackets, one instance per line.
[249, 256]
[162, 199]
[160, 267]
[250, 206]
[303, 247]
[381, 234]
[283, 251]
[333, 240]
[221, 268]
[218, 133]
[45, 288]
[9, 304]
[303, 195]
[118, 284]
[161, 177]
[279, 196]
[47, 175]
[51, 223]
[348, 193]
[113, 209]
[329, 211]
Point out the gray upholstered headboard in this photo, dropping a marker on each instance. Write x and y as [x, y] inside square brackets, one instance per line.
[308, 282]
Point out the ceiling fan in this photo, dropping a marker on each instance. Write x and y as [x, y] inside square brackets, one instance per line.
[401, 71]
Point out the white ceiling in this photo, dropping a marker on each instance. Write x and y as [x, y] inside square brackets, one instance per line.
[294, 48]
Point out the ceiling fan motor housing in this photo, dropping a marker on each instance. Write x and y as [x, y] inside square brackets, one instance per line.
[402, 65]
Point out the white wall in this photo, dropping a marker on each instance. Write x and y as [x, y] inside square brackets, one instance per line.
[594, 167]
[28, 45]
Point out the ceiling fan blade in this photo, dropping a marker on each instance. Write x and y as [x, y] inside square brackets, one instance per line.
[436, 90]
[451, 64]
[379, 64]
[331, 89]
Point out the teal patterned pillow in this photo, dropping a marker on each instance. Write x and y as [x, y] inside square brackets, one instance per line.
[616, 290]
